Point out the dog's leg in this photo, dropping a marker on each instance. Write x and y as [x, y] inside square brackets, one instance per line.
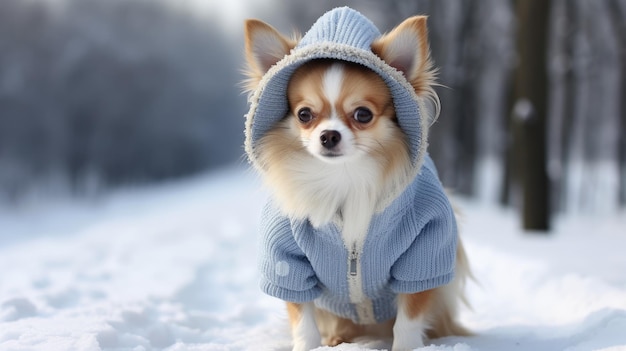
[411, 321]
[304, 330]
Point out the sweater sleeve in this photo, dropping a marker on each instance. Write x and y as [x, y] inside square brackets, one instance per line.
[285, 271]
[430, 259]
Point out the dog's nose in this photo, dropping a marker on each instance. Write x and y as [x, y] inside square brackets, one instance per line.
[330, 138]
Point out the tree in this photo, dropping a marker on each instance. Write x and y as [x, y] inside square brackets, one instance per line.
[530, 112]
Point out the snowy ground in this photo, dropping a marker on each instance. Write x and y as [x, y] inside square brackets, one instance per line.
[172, 267]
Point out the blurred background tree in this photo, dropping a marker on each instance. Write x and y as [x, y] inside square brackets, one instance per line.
[100, 93]
[530, 111]
[96, 93]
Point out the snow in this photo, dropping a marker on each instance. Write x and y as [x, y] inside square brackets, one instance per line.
[172, 267]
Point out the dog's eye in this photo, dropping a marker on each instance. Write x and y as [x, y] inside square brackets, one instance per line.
[305, 115]
[363, 115]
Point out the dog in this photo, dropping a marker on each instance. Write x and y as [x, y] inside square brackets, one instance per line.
[359, 237]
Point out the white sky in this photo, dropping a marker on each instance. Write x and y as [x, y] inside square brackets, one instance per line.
[231, 13]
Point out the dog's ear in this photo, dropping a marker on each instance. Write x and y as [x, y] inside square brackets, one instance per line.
[264, 47]
[406, 49]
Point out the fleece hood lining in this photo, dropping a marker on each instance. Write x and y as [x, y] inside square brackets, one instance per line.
[328, 50]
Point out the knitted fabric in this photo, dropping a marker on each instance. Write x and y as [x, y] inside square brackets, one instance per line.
[410, 247]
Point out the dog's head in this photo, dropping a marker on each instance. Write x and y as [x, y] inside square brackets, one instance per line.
[346, 89]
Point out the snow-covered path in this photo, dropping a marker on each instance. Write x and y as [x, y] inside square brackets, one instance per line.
[172, 267]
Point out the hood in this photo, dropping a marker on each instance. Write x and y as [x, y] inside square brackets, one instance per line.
[341, 34]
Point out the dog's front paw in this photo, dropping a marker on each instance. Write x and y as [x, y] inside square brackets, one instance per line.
[306, 345]
[407, 333]
[306, 339]
[407, 345]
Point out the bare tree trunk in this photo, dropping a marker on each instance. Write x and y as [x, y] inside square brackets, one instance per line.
[562, 96]
[617, 9]
[531, 90]
[451, 144]
[508, 181]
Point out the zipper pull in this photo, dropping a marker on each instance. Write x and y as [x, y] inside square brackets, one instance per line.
[354, 256]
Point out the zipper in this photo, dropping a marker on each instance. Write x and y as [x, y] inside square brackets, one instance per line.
[364, 307]
[354, 259]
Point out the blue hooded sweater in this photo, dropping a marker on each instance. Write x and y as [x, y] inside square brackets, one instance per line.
[410, 247]
[411, 242]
